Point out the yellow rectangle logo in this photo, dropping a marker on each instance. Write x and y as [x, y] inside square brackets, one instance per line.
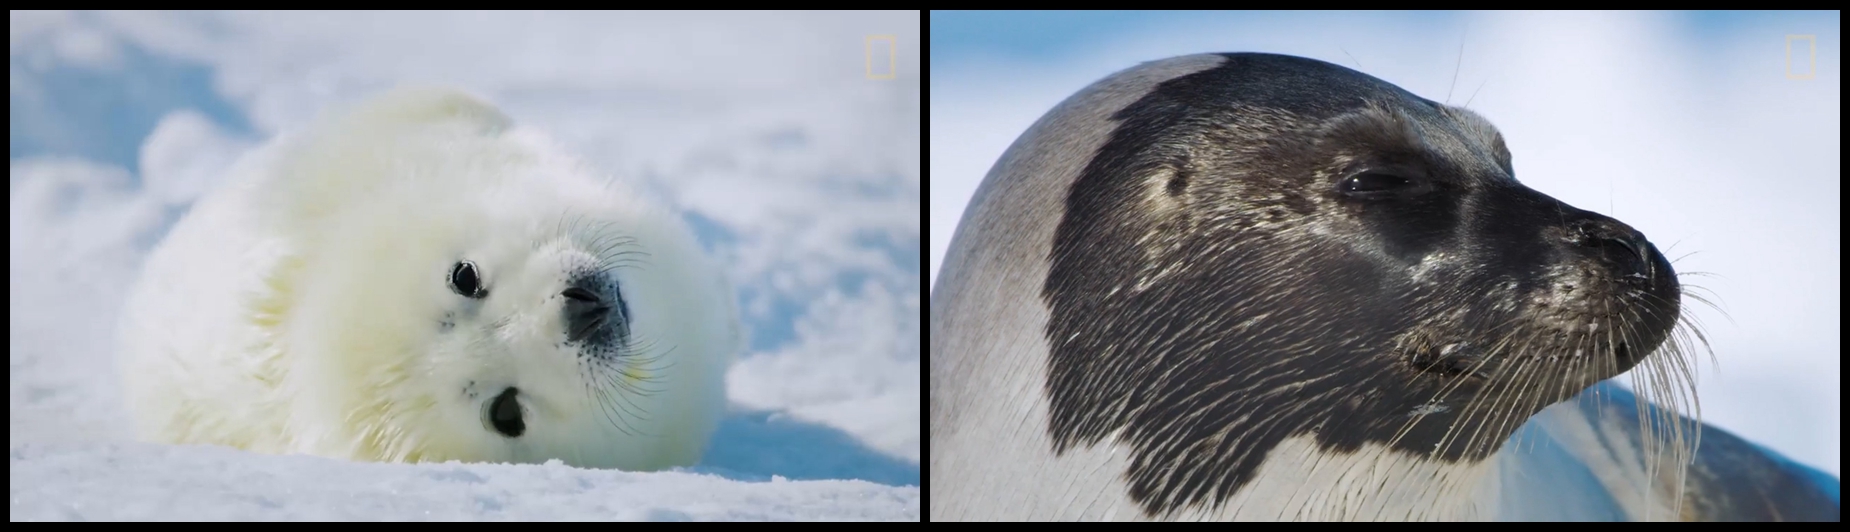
[892, 56]
[1811, 51]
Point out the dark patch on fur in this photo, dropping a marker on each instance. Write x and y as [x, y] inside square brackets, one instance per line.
[1256, 323]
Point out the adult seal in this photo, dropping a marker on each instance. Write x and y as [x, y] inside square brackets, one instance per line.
[419, 279]
[1262, 287]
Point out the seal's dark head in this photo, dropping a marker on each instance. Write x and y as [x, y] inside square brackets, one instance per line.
[1279, 247]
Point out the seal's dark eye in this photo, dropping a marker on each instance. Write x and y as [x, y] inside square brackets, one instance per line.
[1374, 182]
[465, 281]
[1382, 185]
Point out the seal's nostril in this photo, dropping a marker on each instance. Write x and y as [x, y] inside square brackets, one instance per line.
[1615, 236]
[580, 294]
[1633, 243]
[504, 414]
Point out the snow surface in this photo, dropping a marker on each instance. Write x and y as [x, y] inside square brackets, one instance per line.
[796, 171]
[131, 481]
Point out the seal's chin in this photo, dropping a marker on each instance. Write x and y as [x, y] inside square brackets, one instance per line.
[1622, 354]
[503, 415]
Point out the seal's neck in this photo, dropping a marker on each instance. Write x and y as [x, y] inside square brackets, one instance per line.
[1299, 481]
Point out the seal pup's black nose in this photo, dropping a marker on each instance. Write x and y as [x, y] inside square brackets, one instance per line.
[594, 311]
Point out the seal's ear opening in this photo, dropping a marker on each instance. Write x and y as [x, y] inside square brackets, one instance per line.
[503, 414]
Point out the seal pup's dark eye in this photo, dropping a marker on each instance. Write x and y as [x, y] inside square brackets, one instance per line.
[1373, 183]
[465, 281]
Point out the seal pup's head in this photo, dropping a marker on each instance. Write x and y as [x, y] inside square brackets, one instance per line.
[459, 290]
[1278, 250]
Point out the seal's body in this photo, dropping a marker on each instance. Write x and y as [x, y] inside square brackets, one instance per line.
[418, 280]
[1252, 286]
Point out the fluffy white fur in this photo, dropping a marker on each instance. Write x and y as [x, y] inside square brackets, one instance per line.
[304, 306]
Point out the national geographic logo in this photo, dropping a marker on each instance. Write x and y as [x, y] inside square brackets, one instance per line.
[882, 57]
[1809, 51]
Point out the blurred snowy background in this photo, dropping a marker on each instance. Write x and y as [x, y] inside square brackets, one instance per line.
[796, 170]
[1685, 125]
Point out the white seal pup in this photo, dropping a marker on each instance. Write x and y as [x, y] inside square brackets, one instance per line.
[1262, 287]
[418, 279]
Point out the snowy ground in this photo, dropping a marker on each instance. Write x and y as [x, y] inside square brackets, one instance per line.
[109, 481]
[795, 169]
